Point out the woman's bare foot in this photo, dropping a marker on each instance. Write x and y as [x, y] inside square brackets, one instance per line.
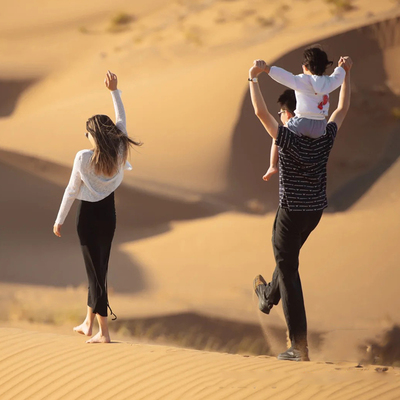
[84, 329]
[99, 338]
[271, 171]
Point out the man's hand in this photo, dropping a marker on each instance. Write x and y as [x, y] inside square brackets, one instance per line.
[340, 113]
[57, 229]
[258, 67]
[346, 63]
[111, 81]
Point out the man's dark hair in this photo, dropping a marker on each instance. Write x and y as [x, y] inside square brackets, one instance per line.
[287, 101]
[316, 60]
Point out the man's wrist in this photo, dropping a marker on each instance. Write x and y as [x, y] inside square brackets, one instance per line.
[253, 73]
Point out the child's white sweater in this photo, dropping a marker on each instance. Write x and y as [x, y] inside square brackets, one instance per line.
[312, 91]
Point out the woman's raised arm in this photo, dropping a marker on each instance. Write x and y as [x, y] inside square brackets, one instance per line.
[111, 82]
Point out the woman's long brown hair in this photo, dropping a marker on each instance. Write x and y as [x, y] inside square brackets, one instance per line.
[112, 145]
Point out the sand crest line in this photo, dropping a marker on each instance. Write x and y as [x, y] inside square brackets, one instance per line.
[40, 365]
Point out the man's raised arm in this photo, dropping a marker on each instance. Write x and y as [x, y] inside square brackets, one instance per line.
[260, 108]
[340, 113]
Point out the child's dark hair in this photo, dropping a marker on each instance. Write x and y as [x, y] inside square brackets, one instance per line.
[287, 101]
[316, 60]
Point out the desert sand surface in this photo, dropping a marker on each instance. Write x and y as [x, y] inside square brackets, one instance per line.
[40, 365]
[194, 216]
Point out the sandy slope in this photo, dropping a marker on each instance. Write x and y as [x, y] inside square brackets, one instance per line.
[37, 365]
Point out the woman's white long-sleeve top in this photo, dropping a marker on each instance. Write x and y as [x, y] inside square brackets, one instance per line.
[312, 91]
[84, 183]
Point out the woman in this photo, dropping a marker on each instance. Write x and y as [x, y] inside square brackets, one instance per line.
[95, 175]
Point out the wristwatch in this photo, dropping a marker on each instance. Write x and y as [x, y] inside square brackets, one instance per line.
[255, 80]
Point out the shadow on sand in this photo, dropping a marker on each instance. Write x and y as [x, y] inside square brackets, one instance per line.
[201, 332]
[10, 91]
[385, 350]
[29, 251]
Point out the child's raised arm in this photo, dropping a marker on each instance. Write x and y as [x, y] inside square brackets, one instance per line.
[327, 84]
[340, 113]
[295, 82]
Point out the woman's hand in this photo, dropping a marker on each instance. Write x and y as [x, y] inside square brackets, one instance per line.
[258, 67]
[111, 81]
[57, 229]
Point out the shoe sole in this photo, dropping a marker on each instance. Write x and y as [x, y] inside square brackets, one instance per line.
[263, 307]
[258, 278]
[284, 357]
[293, 359]
[289, 358]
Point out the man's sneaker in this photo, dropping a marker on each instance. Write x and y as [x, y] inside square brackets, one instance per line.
[294, 355]
[259, 286]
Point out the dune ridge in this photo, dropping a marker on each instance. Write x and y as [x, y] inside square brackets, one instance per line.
[38, 365]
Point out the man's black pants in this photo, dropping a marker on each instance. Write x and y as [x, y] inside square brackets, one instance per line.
[291, 229]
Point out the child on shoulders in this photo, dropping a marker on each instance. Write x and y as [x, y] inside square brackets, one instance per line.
[312, 90]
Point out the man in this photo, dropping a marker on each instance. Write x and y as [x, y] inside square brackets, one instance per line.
[302, 199]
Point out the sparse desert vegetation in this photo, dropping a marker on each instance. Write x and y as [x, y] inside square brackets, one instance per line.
[339, 7]
[193, 35]
[83, 29]
[395, 112]
[120, 22]
[265, 22]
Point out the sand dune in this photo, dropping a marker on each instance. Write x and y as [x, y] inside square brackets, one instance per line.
[194, 216]
[210, 126]
[37, 365]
